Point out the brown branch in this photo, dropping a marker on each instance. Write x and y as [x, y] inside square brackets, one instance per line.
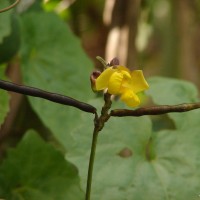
[155, 110]
[10, 7]
[57, 98]
[65, 100]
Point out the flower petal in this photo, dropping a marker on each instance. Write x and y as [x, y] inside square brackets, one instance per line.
[122, 68]
[138, 82]
[126, 78]
[103, 79]
[115, 83]
[126, 74]
[130, 98]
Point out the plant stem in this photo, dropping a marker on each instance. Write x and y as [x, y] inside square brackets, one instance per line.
[91, 164]
[98, 125]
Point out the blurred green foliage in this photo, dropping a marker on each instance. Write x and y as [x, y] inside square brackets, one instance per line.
[4, 100]
[52, 59]
[35, 170]
[9, 35]
[5, 22]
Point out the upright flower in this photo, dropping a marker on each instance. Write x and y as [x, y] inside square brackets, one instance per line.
[119, 80]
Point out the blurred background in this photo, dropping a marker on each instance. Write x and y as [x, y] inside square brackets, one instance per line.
[159, 36]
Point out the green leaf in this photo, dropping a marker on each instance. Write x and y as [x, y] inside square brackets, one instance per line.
[5, 21]
[134, 162]
[53, 60]
[9, 34]
[112, 171]
[171, 91]
[4, 98]
[35, 170]
[10, 45]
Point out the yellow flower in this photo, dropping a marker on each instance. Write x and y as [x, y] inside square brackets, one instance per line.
[119, 80]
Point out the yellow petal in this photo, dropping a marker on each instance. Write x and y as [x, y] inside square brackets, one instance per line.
[103, 79]
[122, 68]
[138, 82]
[126, 78]
[115, 83]
[126, 74]
[130, 98]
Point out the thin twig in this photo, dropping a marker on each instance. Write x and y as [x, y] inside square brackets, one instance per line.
[155, 110]
[10, 7]
[57, 98]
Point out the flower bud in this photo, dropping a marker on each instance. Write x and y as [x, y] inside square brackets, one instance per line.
[94, 75]
[114, 61]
